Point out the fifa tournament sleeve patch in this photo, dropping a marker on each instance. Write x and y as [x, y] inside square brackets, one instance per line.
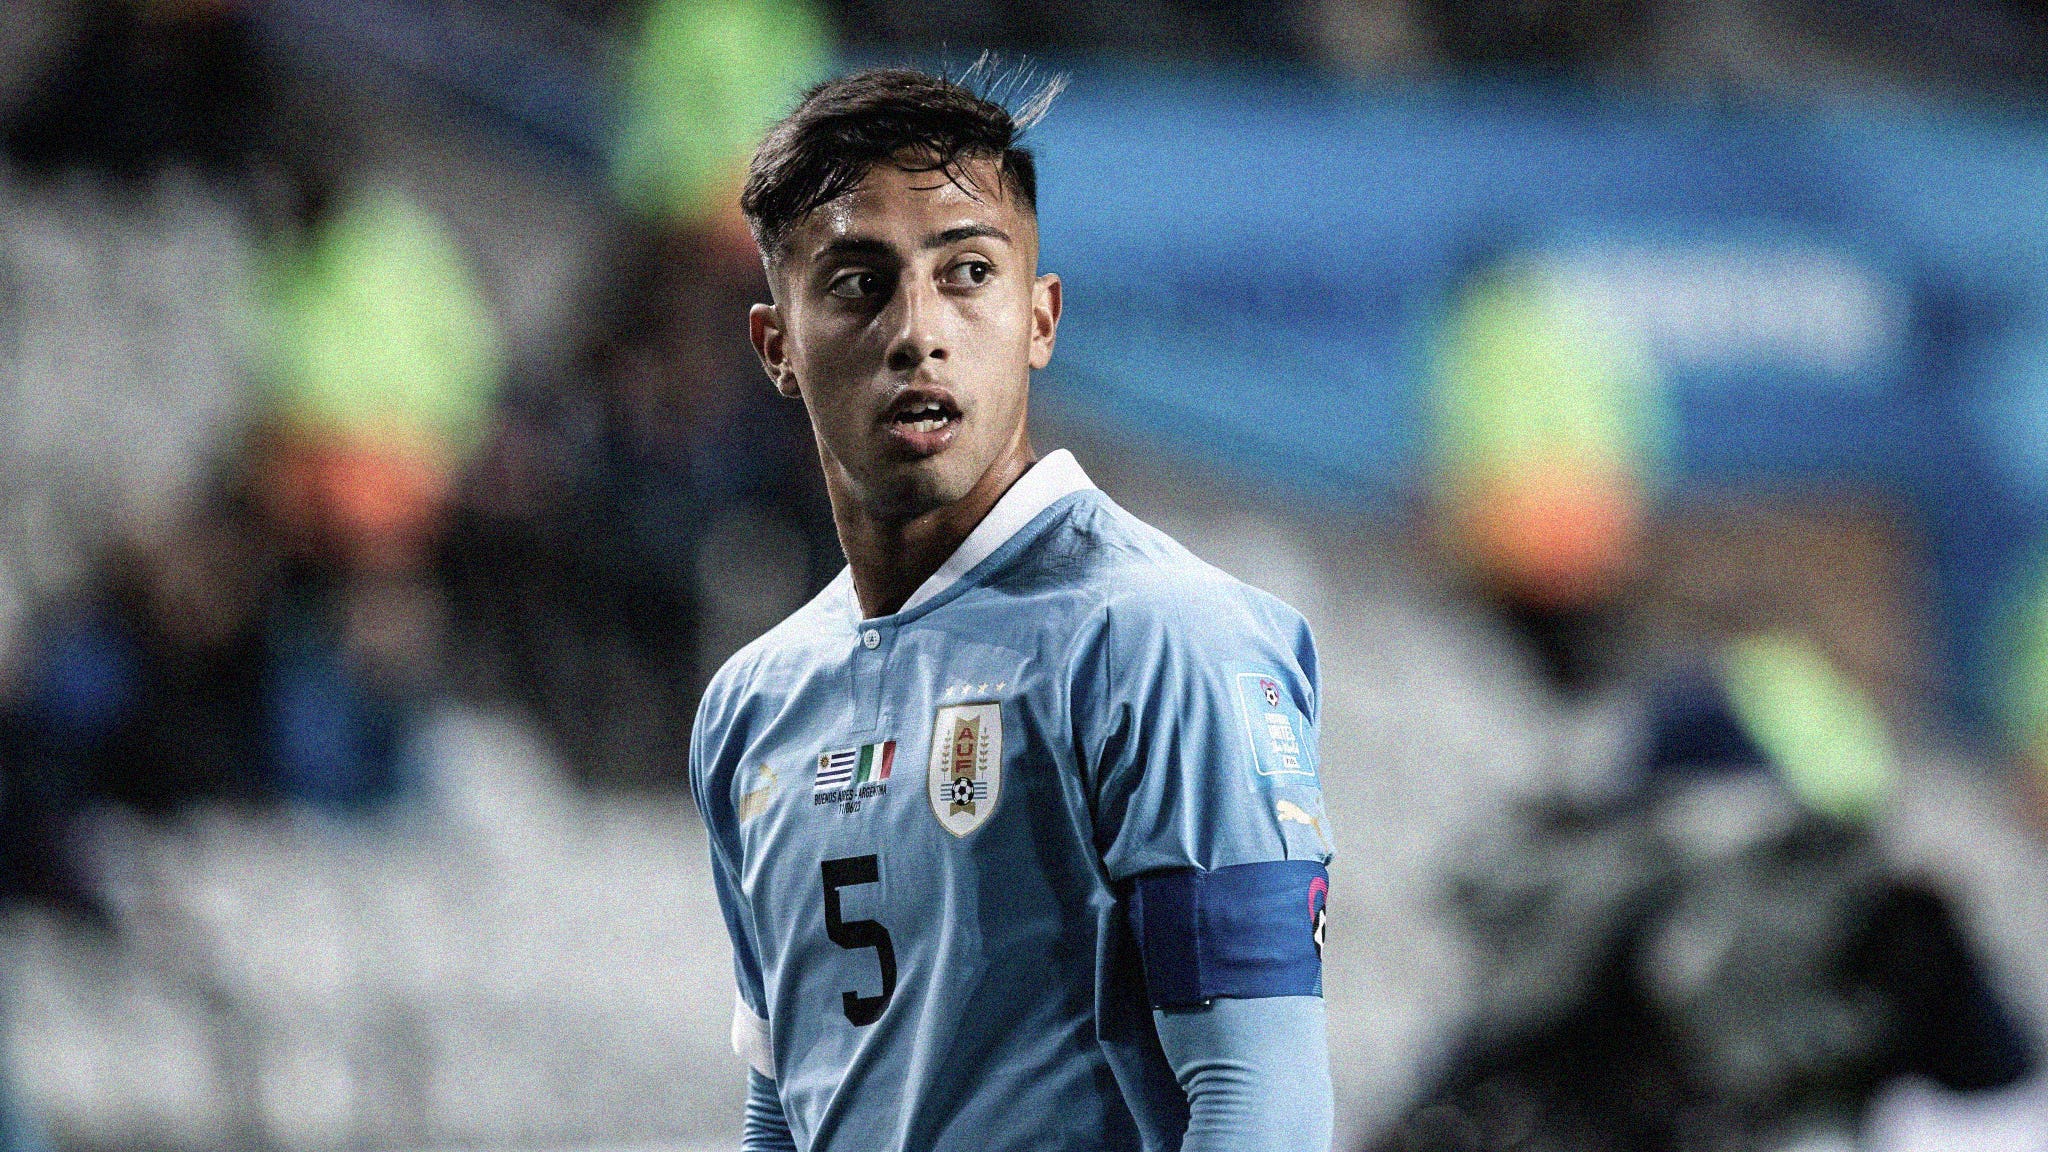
[1245, 932]
[1276, 731]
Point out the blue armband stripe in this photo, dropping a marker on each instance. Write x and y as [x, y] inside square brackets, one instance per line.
[1243, 932]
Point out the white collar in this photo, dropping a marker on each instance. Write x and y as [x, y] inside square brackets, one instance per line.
[1036, 490]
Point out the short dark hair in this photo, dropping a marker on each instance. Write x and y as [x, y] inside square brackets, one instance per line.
[844, 127]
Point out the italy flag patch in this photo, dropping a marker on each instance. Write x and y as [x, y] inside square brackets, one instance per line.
[851, 767]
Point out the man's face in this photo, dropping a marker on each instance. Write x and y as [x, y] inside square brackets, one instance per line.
[909, 315]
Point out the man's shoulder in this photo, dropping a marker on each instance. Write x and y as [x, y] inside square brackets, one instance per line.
[1106, 585]
[1133, 574]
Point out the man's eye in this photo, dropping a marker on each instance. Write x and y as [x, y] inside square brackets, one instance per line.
[856, 285]
[968, 272]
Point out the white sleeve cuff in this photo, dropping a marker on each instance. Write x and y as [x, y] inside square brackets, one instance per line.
[750, 1038]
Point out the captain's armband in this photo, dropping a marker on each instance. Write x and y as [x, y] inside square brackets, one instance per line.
[1244, 932]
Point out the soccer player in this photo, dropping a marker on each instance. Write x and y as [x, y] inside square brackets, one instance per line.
[1016, 827]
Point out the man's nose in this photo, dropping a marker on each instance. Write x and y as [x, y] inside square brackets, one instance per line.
[916, 320]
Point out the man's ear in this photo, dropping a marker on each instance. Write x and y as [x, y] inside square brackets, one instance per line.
[1045, 318]
[764, 328]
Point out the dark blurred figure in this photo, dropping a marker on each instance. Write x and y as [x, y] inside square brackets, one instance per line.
[147, 85]
[1704, 965]
[1563, 38]
[213, 664]
[1978, 44]
[250, 642]
[628, 528]
[646, 505]
[140, 686]
[264, 647]
[1234, 30]
[1709, 952]
[150, 83]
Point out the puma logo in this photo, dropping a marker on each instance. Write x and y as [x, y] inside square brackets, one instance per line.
[1288, 810]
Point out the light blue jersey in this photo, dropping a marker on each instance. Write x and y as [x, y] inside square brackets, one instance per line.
[952, 844]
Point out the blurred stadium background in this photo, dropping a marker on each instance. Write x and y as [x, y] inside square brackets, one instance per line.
[1646, 400]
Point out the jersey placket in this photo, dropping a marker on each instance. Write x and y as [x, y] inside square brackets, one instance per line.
[874, 644]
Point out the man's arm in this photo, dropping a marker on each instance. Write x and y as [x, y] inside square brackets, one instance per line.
[1257, 1073]
[1233, 968]
[766, 1128]
[1197, 711]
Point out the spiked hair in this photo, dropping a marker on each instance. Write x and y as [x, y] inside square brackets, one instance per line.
[842, 128]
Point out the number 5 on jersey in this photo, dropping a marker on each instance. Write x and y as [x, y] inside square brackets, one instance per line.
[857, 934]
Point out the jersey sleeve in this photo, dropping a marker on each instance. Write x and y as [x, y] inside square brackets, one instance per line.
[764, 1127]
[1195, 712]
[1256, 1074]
[710, 785]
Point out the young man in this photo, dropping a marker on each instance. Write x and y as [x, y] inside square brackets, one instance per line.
[1016, 827]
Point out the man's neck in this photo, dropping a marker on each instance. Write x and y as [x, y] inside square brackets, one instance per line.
[891, 560]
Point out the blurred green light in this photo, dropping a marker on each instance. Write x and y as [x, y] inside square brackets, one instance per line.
[703, 84]
[1821, 731]
[378, 327]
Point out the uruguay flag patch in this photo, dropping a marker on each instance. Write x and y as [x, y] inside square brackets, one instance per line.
[850, 767]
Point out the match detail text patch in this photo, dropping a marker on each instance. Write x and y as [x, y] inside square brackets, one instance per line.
[1276, 730]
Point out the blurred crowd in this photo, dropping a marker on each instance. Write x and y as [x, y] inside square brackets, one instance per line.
[357, 358]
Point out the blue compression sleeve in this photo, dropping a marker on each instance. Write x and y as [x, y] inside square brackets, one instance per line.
[766, 1129]
[1257, 1073]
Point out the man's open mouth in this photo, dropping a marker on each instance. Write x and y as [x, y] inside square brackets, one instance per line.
[925, 416]
[922, 421]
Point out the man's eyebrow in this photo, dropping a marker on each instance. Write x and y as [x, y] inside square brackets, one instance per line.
[856, 246]
[965, 232]
[869, 246]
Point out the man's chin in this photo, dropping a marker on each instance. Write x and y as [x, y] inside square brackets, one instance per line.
[908, 489]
